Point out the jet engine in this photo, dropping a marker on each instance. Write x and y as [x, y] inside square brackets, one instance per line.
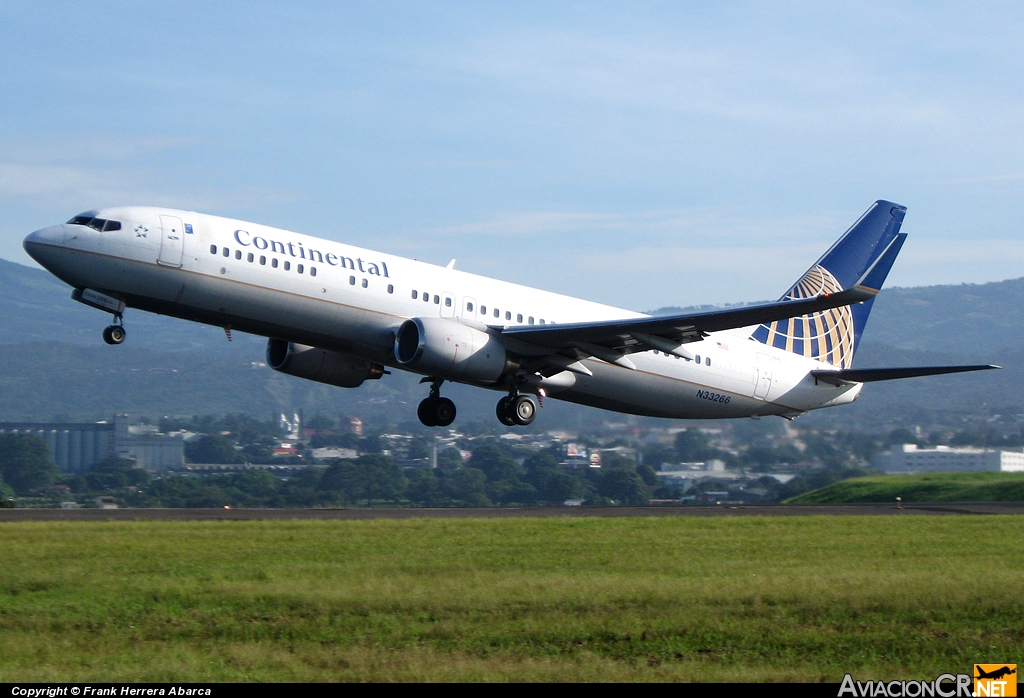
[321, 365]
[447, 349]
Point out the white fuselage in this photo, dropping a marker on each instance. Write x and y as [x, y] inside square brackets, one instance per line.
[326, 294]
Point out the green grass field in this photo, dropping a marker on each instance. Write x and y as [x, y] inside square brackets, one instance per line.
[924, 487]
[704, 599]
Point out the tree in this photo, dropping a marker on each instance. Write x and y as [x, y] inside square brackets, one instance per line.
[420, 448]
[551, 483]
[496, 462]
[6, 495]
[467, 485]
[213, 448]
[343, 477]
[624, 486]
[449, 459]
[692, 446]
[367, 478]
[424, 489]
[322, 421]
[25, 463]
[113, 474]
[382, 477]
[648, 475]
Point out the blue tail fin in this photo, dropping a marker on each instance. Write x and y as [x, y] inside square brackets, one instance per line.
[832, 336]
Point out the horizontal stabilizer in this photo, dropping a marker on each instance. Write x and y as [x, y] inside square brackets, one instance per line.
[870, 375]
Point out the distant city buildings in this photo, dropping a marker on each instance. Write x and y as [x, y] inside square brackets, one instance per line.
[908, 458]
[76, 447]
[683, 476]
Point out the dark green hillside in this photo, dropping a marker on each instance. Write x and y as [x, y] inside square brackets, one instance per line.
[40, 381]
[38, 308]
[924, 487]
[961, 319]
[52, 361]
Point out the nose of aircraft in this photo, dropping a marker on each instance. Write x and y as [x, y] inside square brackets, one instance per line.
[45, 244]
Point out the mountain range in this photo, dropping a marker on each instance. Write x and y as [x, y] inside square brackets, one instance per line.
[53, 362]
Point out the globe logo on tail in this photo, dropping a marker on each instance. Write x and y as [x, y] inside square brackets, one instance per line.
[825, 336]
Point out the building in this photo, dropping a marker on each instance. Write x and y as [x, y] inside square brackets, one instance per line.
[76, 447]
[908, 458]
[683, 476]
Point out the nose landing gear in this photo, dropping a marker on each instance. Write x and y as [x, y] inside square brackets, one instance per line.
[434, 410]
[114, 334]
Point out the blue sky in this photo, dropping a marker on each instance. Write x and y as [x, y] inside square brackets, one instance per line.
[641, 154]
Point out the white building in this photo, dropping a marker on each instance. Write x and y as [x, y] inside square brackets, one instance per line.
[908, 458]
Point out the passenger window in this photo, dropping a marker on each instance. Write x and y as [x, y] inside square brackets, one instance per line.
[697, 359]
[250, 257]
[469, 307]
[542, 321]
[391, 288]
[519, 317]
[287, 265]
[112, 225]
[238, 254]
[707, 360]
[213, 249]
[437, 300]
[300, 268]
[531, 319]
[227, 252]
[352, 282]
[273, 263]
[508, 315]
[426, 297]
[483, 309]
[497, 312]
[447, 302]
[365, 282]
[312, 271]
[415, 294]
[263, 260]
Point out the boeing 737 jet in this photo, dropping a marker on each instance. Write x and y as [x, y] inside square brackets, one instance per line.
[343, 315]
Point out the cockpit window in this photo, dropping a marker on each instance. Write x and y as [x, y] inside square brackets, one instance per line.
[98, 224]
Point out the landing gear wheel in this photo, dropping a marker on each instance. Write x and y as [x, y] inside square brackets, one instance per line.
[444, 411]
[113, 334]
[523, 410]
[503, 413]
[426, 412]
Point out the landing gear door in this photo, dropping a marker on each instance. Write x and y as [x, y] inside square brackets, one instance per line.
[764, 376]
[171, 241]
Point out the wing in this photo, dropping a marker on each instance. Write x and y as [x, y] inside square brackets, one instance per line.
[612, 340]
[870, 375]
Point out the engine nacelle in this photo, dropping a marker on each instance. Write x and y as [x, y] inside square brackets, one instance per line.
[447, 349]
[321, 365]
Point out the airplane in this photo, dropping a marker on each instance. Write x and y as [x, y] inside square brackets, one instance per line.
[995, 673]
[342, 315]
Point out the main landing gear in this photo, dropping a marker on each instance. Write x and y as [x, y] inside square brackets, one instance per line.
[436, 411]
[114, 334]
[515, 409]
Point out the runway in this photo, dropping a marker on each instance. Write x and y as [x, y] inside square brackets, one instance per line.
[908, 509]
